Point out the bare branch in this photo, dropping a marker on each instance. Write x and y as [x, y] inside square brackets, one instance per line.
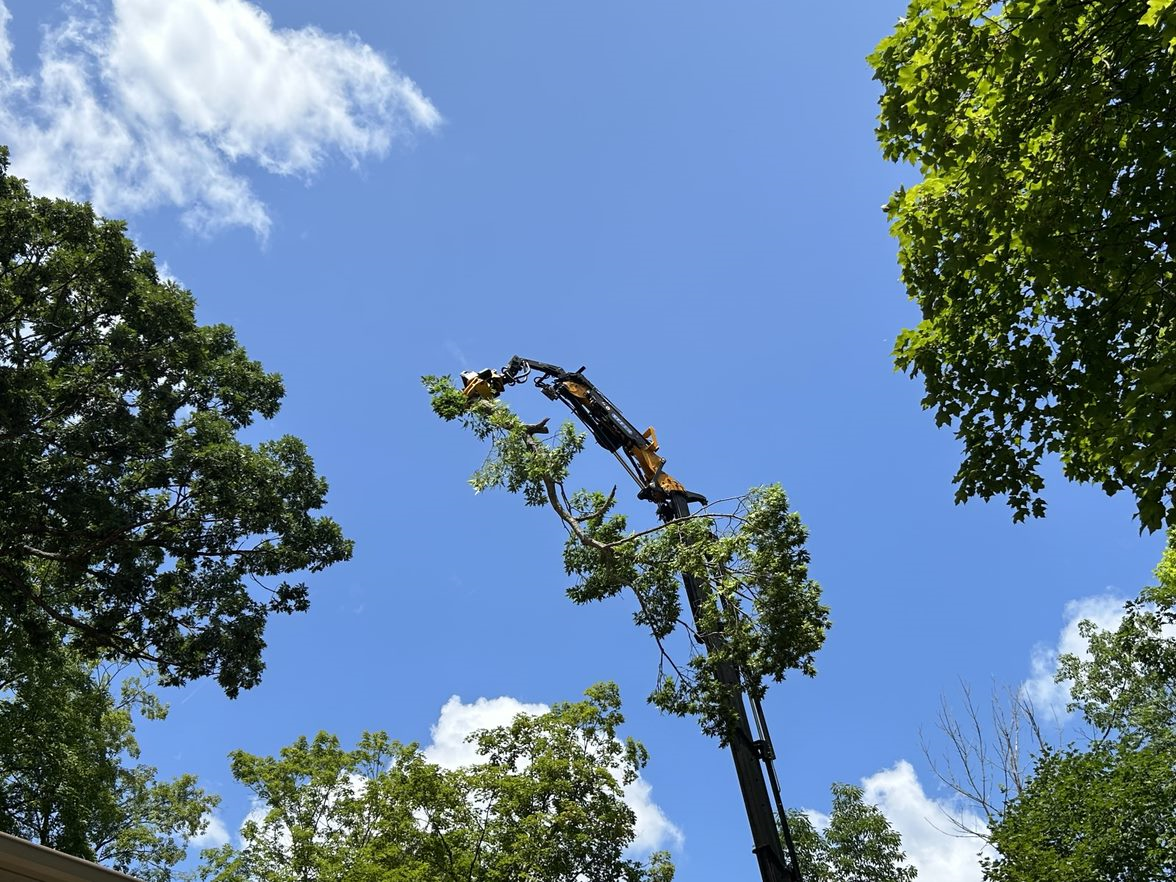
[986, 762]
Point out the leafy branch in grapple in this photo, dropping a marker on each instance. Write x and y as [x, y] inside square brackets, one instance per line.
[760, 613]
[1038, 242]
[131, 516]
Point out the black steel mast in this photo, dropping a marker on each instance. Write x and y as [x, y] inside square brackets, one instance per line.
[753, 756]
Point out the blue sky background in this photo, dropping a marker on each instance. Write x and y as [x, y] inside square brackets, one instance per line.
[683, 197]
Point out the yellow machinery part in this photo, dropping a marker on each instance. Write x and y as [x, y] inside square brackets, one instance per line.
[480, 384]
[651, 464]
[576, 389]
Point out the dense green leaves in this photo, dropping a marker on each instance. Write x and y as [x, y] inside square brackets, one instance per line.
[858, 845]
[542, 803]
[1101, 814]
[69, 778]
[130, 513]
[760, 612]
[1038, 242]
[1106, 810]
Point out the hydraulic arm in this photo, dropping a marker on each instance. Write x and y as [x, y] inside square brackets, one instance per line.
[638, 454]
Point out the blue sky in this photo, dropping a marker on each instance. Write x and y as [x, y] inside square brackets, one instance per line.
[683, 197]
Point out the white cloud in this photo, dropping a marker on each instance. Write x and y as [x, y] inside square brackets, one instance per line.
[449, 749]
[214, 835]
[137, 104]
[928, 836]
[166, 274]
[653, 830]
[1050, 698]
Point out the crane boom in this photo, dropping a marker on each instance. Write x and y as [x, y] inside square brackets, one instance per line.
[638, 454]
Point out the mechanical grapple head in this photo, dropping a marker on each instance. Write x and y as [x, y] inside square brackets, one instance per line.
[482, 384]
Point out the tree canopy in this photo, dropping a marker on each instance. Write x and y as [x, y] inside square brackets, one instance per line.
[131, 515]
[543, 802]
[69, 772]
[1104, 810]
[1038, 241]
[1099, 807]
[857, 845]
[762, 614]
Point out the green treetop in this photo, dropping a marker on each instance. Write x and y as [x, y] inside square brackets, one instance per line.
[131, 516]
[1100, 807]
[1038, 242]
[1105, 810]
[857, 845]
[543, 802]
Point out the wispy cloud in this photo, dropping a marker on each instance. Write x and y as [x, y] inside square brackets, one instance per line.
[450, 749]
[458, 355]
[136, 104]
[1049, 698]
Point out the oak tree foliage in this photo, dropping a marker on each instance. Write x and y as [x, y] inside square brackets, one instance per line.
[1038, 242]
[761, 612]
[131, 514]
[70, 776]
[542, 802]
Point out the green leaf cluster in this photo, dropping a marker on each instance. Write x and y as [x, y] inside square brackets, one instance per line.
[857, 845]
[516, 461]
[1038, 241]
[760, 613]
[543, 802]
[131, 514]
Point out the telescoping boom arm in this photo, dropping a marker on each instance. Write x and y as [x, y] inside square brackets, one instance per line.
[638, 454]
[636, 451]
